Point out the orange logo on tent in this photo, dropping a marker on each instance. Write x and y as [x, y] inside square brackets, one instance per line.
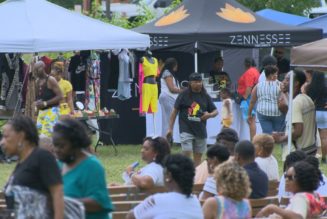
[237, 15]
[173, 18]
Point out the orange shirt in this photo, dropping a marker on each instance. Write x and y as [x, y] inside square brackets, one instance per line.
[248, 79]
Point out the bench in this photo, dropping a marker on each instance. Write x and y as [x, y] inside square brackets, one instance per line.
[125, 198]
[258, 204]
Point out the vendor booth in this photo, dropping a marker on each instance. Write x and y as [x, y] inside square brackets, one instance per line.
[197, 28]
[31, 26]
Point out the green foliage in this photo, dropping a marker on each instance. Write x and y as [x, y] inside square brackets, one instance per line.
[298, 7]
[173, 5]
[69, 4]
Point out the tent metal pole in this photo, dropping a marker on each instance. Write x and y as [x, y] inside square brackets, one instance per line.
[196, 57]
[290, 108]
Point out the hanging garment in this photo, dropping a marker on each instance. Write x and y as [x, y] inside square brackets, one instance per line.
[11, 69]
[92, 94]
[77, 70]
[124, 81]
[149, 89]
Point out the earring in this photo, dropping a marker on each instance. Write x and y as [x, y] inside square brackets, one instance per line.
[167, 180]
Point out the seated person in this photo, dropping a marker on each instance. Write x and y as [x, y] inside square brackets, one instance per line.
[216, 155]
[153, 152]
[264, 145]
[244, 155]
[178, 202]
[234, 188]
[322, 189]
[302, 179]
[227, 137]
[291, 159]
[218, 76]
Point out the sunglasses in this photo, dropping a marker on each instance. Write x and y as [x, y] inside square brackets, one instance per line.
[279, 52]
[289, 177]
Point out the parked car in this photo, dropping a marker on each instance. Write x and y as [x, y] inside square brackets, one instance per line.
[134, 7]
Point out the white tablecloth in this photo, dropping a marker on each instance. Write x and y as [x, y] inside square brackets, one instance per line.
[213, 125]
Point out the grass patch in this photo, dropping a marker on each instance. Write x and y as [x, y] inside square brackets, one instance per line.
[127, 154]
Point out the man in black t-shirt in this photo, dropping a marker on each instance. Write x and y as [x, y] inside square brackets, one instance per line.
[283, 63]
[218, 76]
[194, 107]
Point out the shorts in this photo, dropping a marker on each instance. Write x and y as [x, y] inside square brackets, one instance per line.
[245, 104]
[227, 122]
[149, 97]
[321, 119]
[192, 143]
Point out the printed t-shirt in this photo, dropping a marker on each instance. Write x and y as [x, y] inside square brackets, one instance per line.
[191, 107]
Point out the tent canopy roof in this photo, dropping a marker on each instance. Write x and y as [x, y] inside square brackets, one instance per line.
[281, 17]
[221, 23]
[311, 55]
[319, 22]
[40, 26]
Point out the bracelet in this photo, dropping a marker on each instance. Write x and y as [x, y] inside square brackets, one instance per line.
[45, 104]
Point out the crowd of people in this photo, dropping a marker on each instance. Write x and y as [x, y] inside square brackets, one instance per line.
[63, 171]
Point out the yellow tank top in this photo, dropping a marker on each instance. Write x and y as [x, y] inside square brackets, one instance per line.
[150, 69]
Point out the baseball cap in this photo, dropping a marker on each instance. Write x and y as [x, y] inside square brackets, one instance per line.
[195, 77]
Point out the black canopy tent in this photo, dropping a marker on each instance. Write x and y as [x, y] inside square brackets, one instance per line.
[209, 25]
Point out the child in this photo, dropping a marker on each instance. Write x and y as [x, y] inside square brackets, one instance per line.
[226, 110]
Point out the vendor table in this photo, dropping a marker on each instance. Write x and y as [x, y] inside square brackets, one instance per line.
[213, 125]
[6, 115]
[110, 118]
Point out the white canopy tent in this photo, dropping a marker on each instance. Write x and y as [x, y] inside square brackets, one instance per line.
[39, 26]
[308, 56]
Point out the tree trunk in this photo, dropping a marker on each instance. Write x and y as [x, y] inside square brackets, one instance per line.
[108, 14]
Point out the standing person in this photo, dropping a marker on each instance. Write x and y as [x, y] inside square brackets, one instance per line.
[283, 64]
[169, 92]
[268, 60]
[35, 184]
[66, 104]
[83, 175]
[303, 119]
[316, 89]
[194, 107]
[48, 97]
[218, 76]
[234, 188]
[226, 110]
[178, 202]
[245, 85]
[266, 94]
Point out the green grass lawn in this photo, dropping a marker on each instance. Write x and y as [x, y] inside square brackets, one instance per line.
[115, 165]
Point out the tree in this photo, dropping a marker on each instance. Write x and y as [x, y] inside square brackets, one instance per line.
[298, 7]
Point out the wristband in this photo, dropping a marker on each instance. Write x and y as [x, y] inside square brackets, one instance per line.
[45, 104]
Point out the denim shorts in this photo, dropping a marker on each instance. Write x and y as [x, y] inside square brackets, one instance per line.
[190, 142]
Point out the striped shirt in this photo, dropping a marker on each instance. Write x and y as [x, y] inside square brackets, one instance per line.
[268, 93]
